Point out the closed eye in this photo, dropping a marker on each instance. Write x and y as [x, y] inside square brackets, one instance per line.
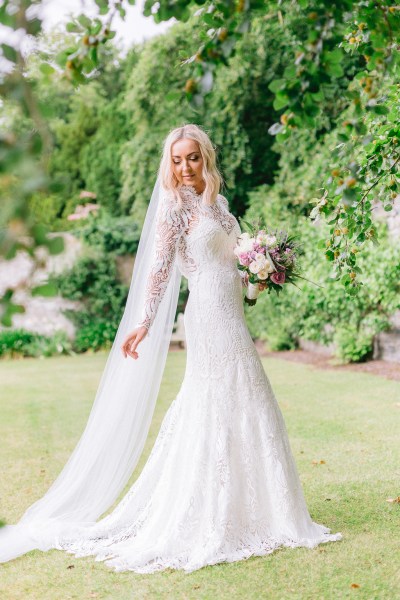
[193, 158]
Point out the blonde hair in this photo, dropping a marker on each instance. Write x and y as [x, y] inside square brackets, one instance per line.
[211, 175]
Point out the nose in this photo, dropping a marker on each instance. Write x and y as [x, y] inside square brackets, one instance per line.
[186, 169]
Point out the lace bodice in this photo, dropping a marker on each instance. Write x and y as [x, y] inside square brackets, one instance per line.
[175, 238]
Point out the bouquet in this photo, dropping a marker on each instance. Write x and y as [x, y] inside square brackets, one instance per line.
[267, 260]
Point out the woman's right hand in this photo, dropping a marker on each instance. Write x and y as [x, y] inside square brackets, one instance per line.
[132, 341]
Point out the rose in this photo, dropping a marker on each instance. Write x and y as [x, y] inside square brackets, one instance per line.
[278, 277]
[262, 274]
[259, 262]
[265, 270]
[244, 259]
[254, 267]
[260, 258]
[269, 265]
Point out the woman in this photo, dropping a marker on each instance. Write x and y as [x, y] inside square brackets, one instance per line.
[220, 484]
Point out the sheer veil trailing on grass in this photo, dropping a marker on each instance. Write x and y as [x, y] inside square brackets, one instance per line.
[118, 425]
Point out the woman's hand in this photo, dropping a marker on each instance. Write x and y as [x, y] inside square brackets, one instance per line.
[245, 281]
[245, 278]
[132, 341]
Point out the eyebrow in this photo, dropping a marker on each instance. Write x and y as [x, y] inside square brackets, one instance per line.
[177, 155]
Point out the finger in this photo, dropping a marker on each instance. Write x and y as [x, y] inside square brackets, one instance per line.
[133, 354]
[135, 343]
[128, 347]
[131, 348]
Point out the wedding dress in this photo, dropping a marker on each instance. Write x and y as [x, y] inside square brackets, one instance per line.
[220, 484]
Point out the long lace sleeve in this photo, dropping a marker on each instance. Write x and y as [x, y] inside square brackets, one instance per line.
[243, 275]
[168, 230]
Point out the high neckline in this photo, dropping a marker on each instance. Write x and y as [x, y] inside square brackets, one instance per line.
[191, 188]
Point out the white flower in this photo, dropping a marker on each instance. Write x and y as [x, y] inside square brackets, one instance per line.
[245, 244]
[258, 264]
[263, 274]
[269, 266]
[260, 258]
[261, 238]
[270, 240]
[254, 267]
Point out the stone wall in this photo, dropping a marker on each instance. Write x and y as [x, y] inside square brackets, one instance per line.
[392, 218]
[387, 343]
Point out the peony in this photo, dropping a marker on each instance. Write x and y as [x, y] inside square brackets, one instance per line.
[245, 243]
[278, 277]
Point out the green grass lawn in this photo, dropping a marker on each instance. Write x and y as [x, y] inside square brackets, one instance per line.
[349, 420]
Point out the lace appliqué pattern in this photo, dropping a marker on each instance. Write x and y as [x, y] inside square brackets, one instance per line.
[220, 484]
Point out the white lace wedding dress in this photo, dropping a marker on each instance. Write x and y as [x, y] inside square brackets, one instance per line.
[220, 484]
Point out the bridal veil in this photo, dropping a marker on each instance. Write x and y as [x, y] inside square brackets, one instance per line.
[112, 442]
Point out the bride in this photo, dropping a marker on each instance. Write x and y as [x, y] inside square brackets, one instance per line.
[220, 484]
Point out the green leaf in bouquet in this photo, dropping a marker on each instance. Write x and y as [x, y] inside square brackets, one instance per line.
[249, 225]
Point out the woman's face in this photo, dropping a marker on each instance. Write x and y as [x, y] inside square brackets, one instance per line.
[187, 163]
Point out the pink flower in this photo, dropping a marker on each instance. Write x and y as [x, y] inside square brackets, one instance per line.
[278, 277]
[87, 194]
[245, 259]
[82, 211]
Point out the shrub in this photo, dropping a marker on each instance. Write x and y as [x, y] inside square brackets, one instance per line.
[93, 281]
[117, 235]
[19, 342]
[326, 314]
